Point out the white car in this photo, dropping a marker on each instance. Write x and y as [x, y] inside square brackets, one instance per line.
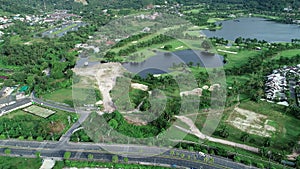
[202, 154]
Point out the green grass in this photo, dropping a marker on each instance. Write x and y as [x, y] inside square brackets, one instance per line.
[287, 53]
[239, 59]
[214, 20]
[61, 95]
[20, 163]
[99, 164]
[266, 16]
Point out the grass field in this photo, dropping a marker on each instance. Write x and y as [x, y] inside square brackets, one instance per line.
[61, 95]
[214, 20]
[39, 111]
[287, 53]
[19, 163]
[239, 59]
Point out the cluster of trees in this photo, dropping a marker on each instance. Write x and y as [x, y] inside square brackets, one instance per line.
[27, 126]
[80, 136]
[55, 55]
[117, 122]
[19, 163]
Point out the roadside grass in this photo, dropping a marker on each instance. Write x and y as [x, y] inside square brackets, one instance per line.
[101, 164]
[19, 162]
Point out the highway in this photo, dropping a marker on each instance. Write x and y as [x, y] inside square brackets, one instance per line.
[79, 151]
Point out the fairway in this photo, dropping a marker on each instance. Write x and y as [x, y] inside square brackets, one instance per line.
[39, 111]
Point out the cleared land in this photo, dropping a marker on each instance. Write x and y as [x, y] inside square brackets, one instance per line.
[251, 122]
[104, 75]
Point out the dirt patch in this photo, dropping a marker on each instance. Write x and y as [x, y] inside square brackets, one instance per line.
[251, 122]
[195, 92]
[139, 86]
[56, 127]
[84, 2]
[135, 121]
[105, 76]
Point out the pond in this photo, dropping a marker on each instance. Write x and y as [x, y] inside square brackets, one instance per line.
[259, 28]
[162, 61]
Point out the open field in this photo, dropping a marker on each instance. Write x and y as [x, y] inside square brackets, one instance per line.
[239, 59]
[251, 122]
[287, 53]
[61, 95]
[39, 111]
[214, 20]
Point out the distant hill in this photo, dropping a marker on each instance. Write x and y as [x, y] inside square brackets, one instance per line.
[34, 6]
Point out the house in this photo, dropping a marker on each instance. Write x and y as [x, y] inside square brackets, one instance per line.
[6, 91]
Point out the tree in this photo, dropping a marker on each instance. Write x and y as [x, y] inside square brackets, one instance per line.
[115, 159]
[7, 151]
[90, 156]
[113, 123]
[38, 154]
[126, 159]
[237, 159]
[67, 155]
[298, 162]
[206, 45]
[244, 137]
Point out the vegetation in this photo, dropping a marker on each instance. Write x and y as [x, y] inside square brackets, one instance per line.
[93, 164]
[21, 124]
[19, 163]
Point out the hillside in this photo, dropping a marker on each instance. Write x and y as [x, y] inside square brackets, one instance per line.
[35, 6]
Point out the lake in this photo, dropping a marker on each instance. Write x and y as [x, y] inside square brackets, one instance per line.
[259, 28]
[161, 62]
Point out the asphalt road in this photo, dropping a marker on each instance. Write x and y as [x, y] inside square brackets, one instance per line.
[81, 150]
[54, 105]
